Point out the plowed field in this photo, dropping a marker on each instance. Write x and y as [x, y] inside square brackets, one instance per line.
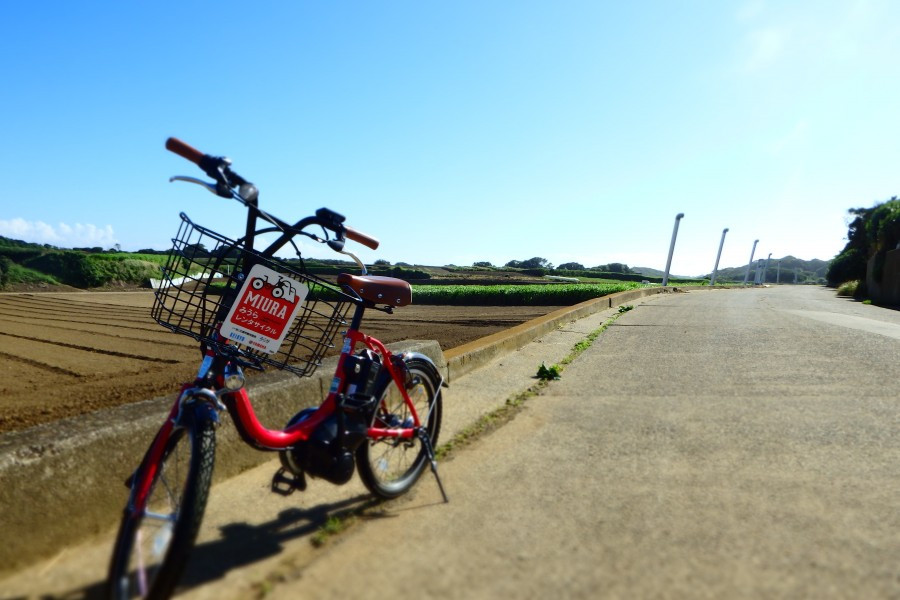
[65, 354]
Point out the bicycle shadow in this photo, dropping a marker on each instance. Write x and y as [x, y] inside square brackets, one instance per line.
[242, 544]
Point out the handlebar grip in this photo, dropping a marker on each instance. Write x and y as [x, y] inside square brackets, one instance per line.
[184, 150]
[361, 238]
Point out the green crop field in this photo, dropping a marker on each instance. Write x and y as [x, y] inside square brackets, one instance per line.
[516, 295]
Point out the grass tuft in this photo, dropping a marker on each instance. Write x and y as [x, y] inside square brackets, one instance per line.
[332, 527]
[848, 288]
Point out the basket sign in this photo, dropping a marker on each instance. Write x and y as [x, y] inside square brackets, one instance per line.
[264, 310]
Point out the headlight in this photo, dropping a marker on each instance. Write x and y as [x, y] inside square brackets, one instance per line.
[234, 378]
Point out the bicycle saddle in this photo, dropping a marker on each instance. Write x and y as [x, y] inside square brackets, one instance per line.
[380, 290]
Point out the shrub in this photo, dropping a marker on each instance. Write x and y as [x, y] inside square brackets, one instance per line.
[848, 288]
[125, 270]
[13, 273]
[93, 270]
[849, 265]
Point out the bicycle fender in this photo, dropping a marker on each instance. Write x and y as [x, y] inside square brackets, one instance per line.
[204, 411]
[429, 363]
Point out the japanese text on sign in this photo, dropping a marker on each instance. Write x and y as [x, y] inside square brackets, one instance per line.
[264, 310]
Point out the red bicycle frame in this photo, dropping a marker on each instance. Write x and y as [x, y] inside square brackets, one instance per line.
[279, 439]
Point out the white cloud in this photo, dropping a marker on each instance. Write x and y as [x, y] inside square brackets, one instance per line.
[63, 235]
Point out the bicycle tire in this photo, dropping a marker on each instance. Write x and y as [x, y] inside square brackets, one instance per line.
[172, 514]
[390, 466]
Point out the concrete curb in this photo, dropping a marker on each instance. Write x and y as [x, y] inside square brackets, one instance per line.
[63, 482]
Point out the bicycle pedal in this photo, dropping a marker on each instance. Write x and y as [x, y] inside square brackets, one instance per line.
[285, 483]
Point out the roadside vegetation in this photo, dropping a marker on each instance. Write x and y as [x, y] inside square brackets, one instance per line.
[848, 288]
[24, 263]
[872, 233]
[532, 282]
[519, 283]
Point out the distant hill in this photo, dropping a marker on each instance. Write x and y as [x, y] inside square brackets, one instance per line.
[791, 269]
[656, 273]
[807, 271]
[648, 271]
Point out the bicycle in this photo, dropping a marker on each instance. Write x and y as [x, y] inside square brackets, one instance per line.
[252, 310]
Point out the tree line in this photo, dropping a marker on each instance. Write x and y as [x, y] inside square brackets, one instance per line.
[872, 233]
[542, 263]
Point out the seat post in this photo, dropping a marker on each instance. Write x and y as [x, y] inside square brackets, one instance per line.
[356, 321]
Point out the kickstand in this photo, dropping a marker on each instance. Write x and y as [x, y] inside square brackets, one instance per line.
[429, 451]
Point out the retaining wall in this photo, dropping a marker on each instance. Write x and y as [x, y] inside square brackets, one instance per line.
[888, 290]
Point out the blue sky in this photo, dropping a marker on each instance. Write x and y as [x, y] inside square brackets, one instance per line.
[459, 131]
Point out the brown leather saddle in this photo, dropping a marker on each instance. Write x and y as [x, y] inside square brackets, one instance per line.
[379, 290]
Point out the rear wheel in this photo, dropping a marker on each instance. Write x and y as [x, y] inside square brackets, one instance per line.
[390, 466]
[155, 539]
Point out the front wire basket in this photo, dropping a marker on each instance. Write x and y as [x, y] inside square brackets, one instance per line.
[202, 277]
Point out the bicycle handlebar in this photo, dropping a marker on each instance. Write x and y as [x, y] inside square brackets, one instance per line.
[361, 238]
[219, 169]
[184, 150]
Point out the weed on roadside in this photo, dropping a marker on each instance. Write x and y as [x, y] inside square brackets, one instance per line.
[547, 373]
[333, 526]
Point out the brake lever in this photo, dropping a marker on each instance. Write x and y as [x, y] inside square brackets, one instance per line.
[359, 263]
[211, 188]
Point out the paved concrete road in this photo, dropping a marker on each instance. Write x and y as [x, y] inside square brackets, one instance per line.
[741, 443]
[710, 444]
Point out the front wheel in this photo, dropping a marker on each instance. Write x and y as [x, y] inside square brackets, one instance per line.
[157, 534]
[390, 466]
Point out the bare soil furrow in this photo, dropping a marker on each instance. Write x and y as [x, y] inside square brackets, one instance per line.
[15, 362]
[69, 353]
[63, 344]
[474, 322]
[152, 334]
[73, 301]
[78, 313]
[40, 302]
[49, 316]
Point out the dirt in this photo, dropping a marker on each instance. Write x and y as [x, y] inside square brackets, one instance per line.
[67, 353]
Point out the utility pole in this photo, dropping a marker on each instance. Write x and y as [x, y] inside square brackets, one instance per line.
[712, 280]
[749, 264]
[678, 218]
[778, 273]
[766, 269]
